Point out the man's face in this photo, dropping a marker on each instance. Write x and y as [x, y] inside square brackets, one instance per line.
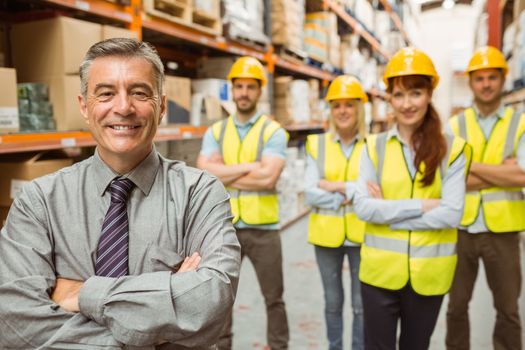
[487, 85]
[122, 107]
[246, 93]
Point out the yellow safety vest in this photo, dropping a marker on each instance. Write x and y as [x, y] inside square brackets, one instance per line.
[390, 258]
[503, 207]
[252, 207]
[329, 228]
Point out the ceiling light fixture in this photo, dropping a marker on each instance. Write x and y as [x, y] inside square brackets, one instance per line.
[448, 4]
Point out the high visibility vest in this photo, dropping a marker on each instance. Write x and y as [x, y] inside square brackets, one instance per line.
[503, 207]
[326, 227]
[390, 258]
[252, 207]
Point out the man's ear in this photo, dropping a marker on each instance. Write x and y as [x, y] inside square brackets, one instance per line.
[163, 107]
[83, 108]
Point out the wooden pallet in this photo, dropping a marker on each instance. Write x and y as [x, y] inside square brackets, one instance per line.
[291, 54]
[182, 16]
[256, 44]
[209, 16]
[178, 11]
[206, 20]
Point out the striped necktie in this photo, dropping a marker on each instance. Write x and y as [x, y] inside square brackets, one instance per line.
[112, 251]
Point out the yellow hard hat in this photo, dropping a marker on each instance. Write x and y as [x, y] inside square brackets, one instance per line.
[248, 67]
[487, 57]
[345, 86]
[410, 61]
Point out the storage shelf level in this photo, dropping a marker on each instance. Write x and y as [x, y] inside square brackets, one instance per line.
[26, 142]
[515, 96]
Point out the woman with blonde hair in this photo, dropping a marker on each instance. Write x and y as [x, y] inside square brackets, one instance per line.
[410, 192]
[334, 229]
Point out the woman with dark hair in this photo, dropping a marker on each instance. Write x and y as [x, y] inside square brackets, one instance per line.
[410, 192]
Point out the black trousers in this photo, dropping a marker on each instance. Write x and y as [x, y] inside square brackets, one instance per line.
[383, 309]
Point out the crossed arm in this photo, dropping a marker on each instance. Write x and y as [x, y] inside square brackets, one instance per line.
[38, 309]
[254, 176]
[67, 291]
[506, 174]
[415, 214]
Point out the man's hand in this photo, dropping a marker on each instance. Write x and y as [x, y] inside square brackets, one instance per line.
[66, 294]
[374, 190]
[326, 185]
[332, 186]
[510, 161]
[190, 263]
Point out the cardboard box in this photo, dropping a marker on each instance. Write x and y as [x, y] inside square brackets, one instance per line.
[51, 47]
[519, 7]
[19, 168]
[214, 67]
[3, 46]
[178, 93]
[218, 88]
[109, 32]
[206, 110]
[8, 101]
[281, 86]
[211, 8]
[63, 93]
[4, 210]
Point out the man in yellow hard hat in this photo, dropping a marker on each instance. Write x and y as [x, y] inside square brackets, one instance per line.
[246, 152]
[494, 204]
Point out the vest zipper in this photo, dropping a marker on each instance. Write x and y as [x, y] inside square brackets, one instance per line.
[346, 179]
[412, 178]
[241, 142]
[485, 144]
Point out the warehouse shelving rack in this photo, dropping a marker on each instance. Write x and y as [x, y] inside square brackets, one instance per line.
[133, 18]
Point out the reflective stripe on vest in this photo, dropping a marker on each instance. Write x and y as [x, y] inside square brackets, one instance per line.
[392, 258]
[252, 207]
[399, 246]
[502, 207]
[330, 228]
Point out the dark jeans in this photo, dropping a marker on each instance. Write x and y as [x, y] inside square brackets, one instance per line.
[263, 248]
[384, 308]
[330, 262]
[500, 254]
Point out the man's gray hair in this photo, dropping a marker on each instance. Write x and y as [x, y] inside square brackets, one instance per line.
[122, 47]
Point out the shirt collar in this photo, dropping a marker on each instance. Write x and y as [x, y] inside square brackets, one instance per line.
[337, 138]
[394, 132]
[143, 175]
[499, 113]
[250, 121]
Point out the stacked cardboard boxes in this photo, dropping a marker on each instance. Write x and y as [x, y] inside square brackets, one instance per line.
[50, 51]
[243, 19]
[290, 186]
[287, 23]
[56, 48]
[321, 40]
[9, 121]
[178, 96]
[316, 36]
[19, 168]
[288, 103]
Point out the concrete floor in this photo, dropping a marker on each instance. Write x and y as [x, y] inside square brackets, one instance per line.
[304, 303]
